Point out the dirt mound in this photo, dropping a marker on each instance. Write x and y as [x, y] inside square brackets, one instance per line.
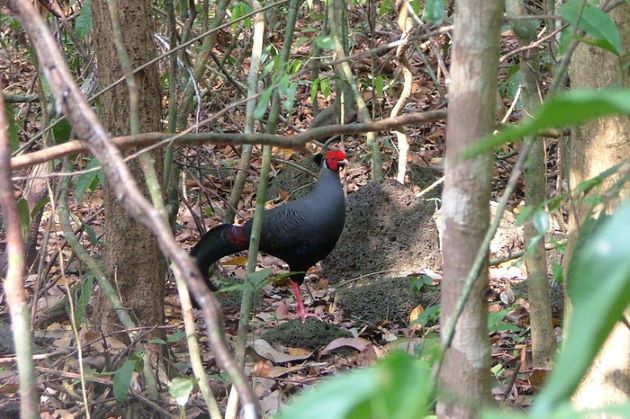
[388, 230]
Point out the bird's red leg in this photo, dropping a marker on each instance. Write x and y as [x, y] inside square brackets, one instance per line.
[301, 311]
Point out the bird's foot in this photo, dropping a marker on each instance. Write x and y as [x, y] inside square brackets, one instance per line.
[301, 311]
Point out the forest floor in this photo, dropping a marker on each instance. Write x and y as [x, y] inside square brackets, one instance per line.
[341, 340]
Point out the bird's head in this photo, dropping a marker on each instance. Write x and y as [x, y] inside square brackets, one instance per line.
[335, 160]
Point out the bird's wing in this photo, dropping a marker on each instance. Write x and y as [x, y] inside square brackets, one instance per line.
[283, 228]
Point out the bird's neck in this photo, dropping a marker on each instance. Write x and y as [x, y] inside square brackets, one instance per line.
[326, 178]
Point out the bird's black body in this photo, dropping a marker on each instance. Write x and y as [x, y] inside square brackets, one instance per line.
[301, 232]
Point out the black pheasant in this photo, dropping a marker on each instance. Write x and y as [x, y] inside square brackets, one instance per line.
[300, 232]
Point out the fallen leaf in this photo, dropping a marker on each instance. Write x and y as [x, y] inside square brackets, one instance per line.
[270, 404]
[282, 311]
[264, 349]
[357, 343]
[369, 355]
[236, 261]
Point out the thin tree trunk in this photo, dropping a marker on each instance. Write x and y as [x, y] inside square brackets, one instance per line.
[543, 340]
[465, 374]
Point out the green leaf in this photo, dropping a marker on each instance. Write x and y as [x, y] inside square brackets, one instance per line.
[25, 217]
[14, 142]
[91, 234]
[434, 11]
[83, 23]
[84, 299]
[87, 181]
[598, 284]
[122, 378]
[379, 85]
[594, 22]
[62, 131]
[290, 97]
[558, 272]
[258, 277]
[179, 389]
[573, 107]
[430, 315]
[325, 42]
[176, 337]
[541, 221]
[263, 101]
[39, 206]
[385, 7]
[524, 215]
[396, 388]
[314, 89]
[325, 87]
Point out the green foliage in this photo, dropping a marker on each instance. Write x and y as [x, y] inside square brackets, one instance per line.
[263, 102]
[541, 221]
[379, 85]
[509, 87]
[240, 9]
[176, 337]
[573, 107]
[25, 217]
[429, 316]
[179, 389]
[385, 7]
[434, 11]
[122, 378]
[85, 292]
[83, 22]
[604, 257]
[325, 42]
[398, 387]
[253, 281]
[14, 143]
[61, 131]
[598, 25]
[88, 181]
[496, 323]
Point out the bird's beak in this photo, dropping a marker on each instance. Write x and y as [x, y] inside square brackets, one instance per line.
[342, 163]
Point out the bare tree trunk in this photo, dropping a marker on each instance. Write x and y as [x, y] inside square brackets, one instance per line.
[543, 339]
[464, 377]
[133, 259]
[595, 147]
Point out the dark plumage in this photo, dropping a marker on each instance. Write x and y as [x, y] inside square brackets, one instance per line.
[301, 232]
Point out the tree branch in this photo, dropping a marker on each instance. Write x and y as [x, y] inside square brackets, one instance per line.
[293, 141]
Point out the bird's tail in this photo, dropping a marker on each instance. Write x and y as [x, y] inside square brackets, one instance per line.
[212, 247]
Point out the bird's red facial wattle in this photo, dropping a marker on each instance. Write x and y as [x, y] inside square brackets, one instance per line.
[335, 160]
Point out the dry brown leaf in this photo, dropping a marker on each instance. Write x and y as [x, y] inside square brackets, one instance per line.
[264, 349]
[357, 343]
[282, 311]
[236, 261]
[413, 316]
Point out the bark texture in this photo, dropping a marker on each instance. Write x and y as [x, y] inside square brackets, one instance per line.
[465, 374]
[133, 259]
[595, 147]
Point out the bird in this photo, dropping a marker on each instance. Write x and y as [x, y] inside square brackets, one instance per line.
[300, 232]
